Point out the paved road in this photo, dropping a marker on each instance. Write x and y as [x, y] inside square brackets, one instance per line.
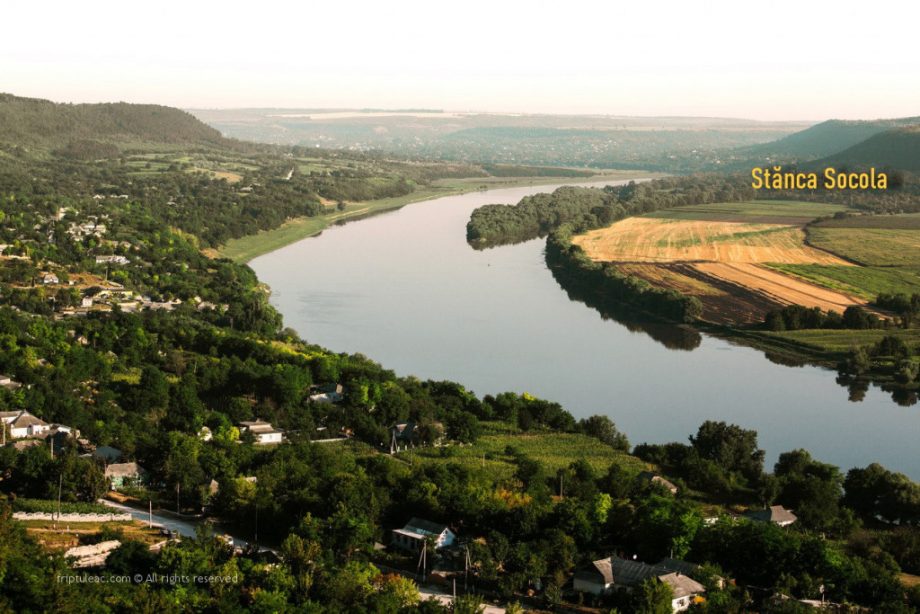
[447, 599]
[185, 528]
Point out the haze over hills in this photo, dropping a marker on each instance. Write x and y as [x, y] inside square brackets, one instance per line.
[598, 141]
[97, 128]
[898, 148]
[825, 139]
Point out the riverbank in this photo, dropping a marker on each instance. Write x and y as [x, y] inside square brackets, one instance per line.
[249, 247]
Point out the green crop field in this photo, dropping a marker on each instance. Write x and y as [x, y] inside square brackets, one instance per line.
[554, 450]
[751, 209]
[869, 246]
[844, 340]
[866, 282]
[907, 221]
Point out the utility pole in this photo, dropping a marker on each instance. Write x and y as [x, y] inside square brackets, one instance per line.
[60, 487]
[466, 569]
[178, 511]
[423, 560]
[150, 513]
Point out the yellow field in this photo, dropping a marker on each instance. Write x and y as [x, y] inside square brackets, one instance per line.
[663, 276]
[641, 239]
[720, 262]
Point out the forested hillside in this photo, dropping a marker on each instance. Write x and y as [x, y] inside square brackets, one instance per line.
[32, 122]
[824, 139]
[896, 149]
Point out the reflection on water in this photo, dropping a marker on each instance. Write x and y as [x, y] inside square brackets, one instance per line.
[406, 290]
[671, 336]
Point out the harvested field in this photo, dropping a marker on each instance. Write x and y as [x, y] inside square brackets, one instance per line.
[778, 288]
[719, 254]
[642, 239]
[671, 276]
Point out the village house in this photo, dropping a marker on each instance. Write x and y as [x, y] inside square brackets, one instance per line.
[50, 278]
[656, 480]
[263, 432]
[120, 475]
[9, 383]
[112, 260]
[615, 573]
[776, 514]
[327, 393]
[22, 424]
[416, 532]
[684, 590]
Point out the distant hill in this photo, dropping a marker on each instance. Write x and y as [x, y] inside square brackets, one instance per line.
[825, 139]
[93, 129]
[898, 148]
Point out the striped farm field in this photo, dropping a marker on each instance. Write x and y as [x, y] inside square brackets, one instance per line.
[720, 253]
[642, 239]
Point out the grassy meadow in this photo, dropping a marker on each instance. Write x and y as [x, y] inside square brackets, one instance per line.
[870, 246]
[864, 281]
[554, 450]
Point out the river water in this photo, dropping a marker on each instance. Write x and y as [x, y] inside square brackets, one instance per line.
[406, 290]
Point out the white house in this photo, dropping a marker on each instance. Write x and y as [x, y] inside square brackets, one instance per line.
[8, 382]
[329, 393]
[23, 424]
[112, 260]
[122, 474]
[263, 431]
[414, 534]
[684, 590]
[614, 573]
[50, 278]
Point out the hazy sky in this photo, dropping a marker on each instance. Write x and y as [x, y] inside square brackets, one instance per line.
[777, 60]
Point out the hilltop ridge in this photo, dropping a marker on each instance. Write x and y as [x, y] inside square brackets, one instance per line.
[97, 127]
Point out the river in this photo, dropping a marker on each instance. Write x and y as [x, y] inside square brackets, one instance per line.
[406, 290]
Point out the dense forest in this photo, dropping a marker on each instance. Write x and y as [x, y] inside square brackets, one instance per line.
[31, 122]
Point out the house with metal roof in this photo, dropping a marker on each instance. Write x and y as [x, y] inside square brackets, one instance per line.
[614, 573]
[415, 533]
[776, 514]
[263, 431]
[23, 424]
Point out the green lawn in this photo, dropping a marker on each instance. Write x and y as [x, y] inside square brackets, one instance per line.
[866, 282]
[869, 246]
[554, 450]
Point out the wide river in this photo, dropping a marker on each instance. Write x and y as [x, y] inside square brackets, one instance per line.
[406, 290]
